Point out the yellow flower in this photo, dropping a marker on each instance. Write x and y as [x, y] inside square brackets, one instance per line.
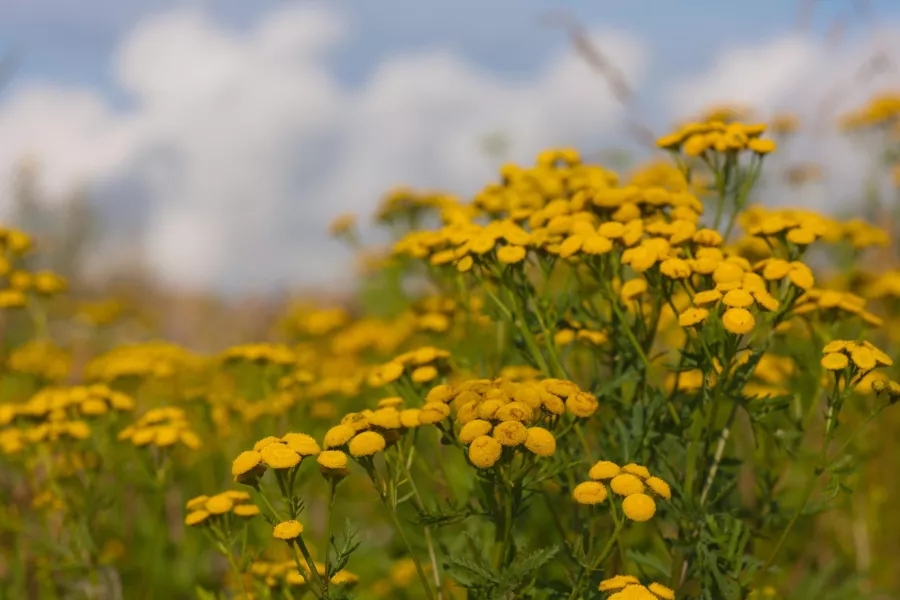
[571, 245]
[245, 462]
[801, 276]
[338, 436]
[433, 412]
[582, 404]
[639, 507]
[473, 429]
[514, 411]
[236, 495]
[766, 300]
[637, 470]
[258, 446]
[397, 401]
[633, 592]
[659, 487]
[540, 441]
[424, 374]
[197, 502]
[662, 591]
[862, 357]
[279, 456]
[510, 433]
[409, 418]
[287, 530]
[219, 504]
[633, 289]
[344, 577]
[707, 297]
[595, 245]
[611, 230]
[511, 255]
[484, 451]
[589, 492]
[835, 361]
[761, 146]
[604, 470]
[738, 298]
[801, 236]
[563, 337]
[439, 393]
[391, 372]
[385, 418]
[465, 264]
[301, 443]
[727, 272]
[366, 443]
[675, 268]
[738, 320]
[626, 484]
[692, 317]
[618, 582]
[246, 510]
[196, 517]
[332, 459]
[708, 237]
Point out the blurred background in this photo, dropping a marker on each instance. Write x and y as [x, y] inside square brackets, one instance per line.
[197, 150]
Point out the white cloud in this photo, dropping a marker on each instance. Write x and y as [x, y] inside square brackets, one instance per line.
[813, 78]
[245, 145]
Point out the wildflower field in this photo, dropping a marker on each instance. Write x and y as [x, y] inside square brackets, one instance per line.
[578, 383]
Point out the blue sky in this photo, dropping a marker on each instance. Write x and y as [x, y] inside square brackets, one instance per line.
[70, 42]
[182, 116]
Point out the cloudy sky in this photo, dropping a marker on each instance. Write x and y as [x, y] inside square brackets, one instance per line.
[221, 136]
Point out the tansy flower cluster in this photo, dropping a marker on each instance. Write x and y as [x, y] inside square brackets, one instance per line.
[499, 414]
[57, 413]
[305, 320]
[559, 314]
[158, 360]
[41, 359]
[438, 313]
[860, 357]
[218, 510]
[738, 292]
[280, 454]
[628, 587]
[585, 215]
[784, 227]
[882, 110]
[405, 204]
[16, 282]
[633, 483]
[277, 575]
[420, 366]
[831, 304]
[162, 427]
[696, 139]
[276, 354]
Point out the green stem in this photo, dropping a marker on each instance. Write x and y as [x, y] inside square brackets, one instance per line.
[236, 570]
[395, 520]
[720, 451]
[610, 544]
[808, 490]
[427, 530]
[310, 566]
[332, 485]
[268, 504]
